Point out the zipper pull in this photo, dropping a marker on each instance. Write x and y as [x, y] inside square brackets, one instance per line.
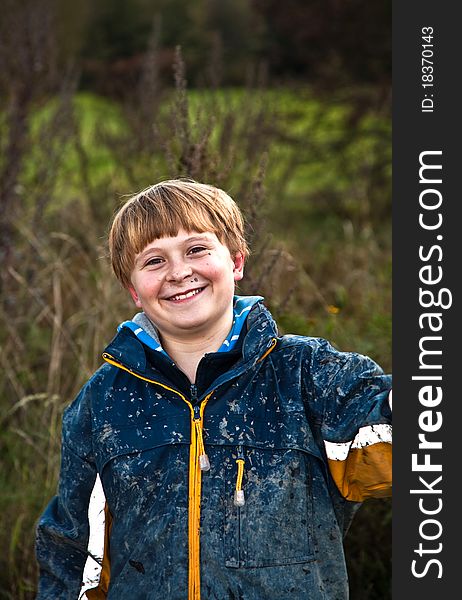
[193, 393]
[239, 497]
[204, 463]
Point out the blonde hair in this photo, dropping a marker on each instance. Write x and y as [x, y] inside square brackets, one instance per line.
[162, 210]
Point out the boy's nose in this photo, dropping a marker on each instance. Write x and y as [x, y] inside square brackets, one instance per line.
[179, 271]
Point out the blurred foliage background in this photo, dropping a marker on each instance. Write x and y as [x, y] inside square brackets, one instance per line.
[286, 105]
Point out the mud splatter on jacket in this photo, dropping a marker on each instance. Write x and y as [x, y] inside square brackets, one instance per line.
[290, 431]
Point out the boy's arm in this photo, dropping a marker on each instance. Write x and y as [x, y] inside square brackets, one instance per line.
[63, 529]
[355, 397]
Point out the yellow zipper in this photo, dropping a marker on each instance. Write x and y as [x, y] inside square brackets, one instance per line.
[198, 462]
[239, 497]
[271, 347]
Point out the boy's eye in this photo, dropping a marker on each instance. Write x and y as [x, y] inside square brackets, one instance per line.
[153, 262]
[197, 249]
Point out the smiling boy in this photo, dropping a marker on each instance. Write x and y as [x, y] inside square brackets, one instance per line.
[232, 459]
[185, 285]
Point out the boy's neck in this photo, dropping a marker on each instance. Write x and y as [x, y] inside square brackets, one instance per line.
[187, 352]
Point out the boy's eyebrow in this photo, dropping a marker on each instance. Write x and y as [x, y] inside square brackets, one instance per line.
[203, 237]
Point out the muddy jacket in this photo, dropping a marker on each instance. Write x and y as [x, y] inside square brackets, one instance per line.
[296, 435]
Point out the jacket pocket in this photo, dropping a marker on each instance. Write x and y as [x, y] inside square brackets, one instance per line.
[274, 524]
[111, 442]
[134, 466]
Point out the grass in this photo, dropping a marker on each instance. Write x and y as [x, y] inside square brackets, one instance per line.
[313, 178]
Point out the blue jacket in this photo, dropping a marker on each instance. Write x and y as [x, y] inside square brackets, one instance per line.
[296, 435]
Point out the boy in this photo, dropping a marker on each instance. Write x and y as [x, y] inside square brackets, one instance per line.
[232, 460]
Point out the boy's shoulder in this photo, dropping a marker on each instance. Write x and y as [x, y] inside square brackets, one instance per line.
[319, 356]
[293, 339]
[310, 346]
[100, 381]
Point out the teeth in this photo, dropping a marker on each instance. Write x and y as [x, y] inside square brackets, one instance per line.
[188, 295]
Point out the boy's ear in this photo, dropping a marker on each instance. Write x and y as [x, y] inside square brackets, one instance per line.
[134, 296]
[238, 266]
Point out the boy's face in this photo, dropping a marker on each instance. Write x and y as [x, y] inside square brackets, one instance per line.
[185, 284]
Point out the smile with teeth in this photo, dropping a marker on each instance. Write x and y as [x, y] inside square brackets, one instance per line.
[186, 295]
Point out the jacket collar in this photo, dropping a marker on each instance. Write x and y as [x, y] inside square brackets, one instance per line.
[261, 330]
[127, 349]
[148, 334]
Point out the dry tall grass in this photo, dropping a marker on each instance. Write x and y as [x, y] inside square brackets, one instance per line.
[59, 304]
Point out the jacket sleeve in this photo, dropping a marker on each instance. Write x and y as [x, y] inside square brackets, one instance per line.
[354, 394]
[63, 528]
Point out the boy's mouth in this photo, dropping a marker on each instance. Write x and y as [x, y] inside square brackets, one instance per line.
[186, 295]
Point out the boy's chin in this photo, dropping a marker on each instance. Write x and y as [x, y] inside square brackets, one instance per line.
[181, 325]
